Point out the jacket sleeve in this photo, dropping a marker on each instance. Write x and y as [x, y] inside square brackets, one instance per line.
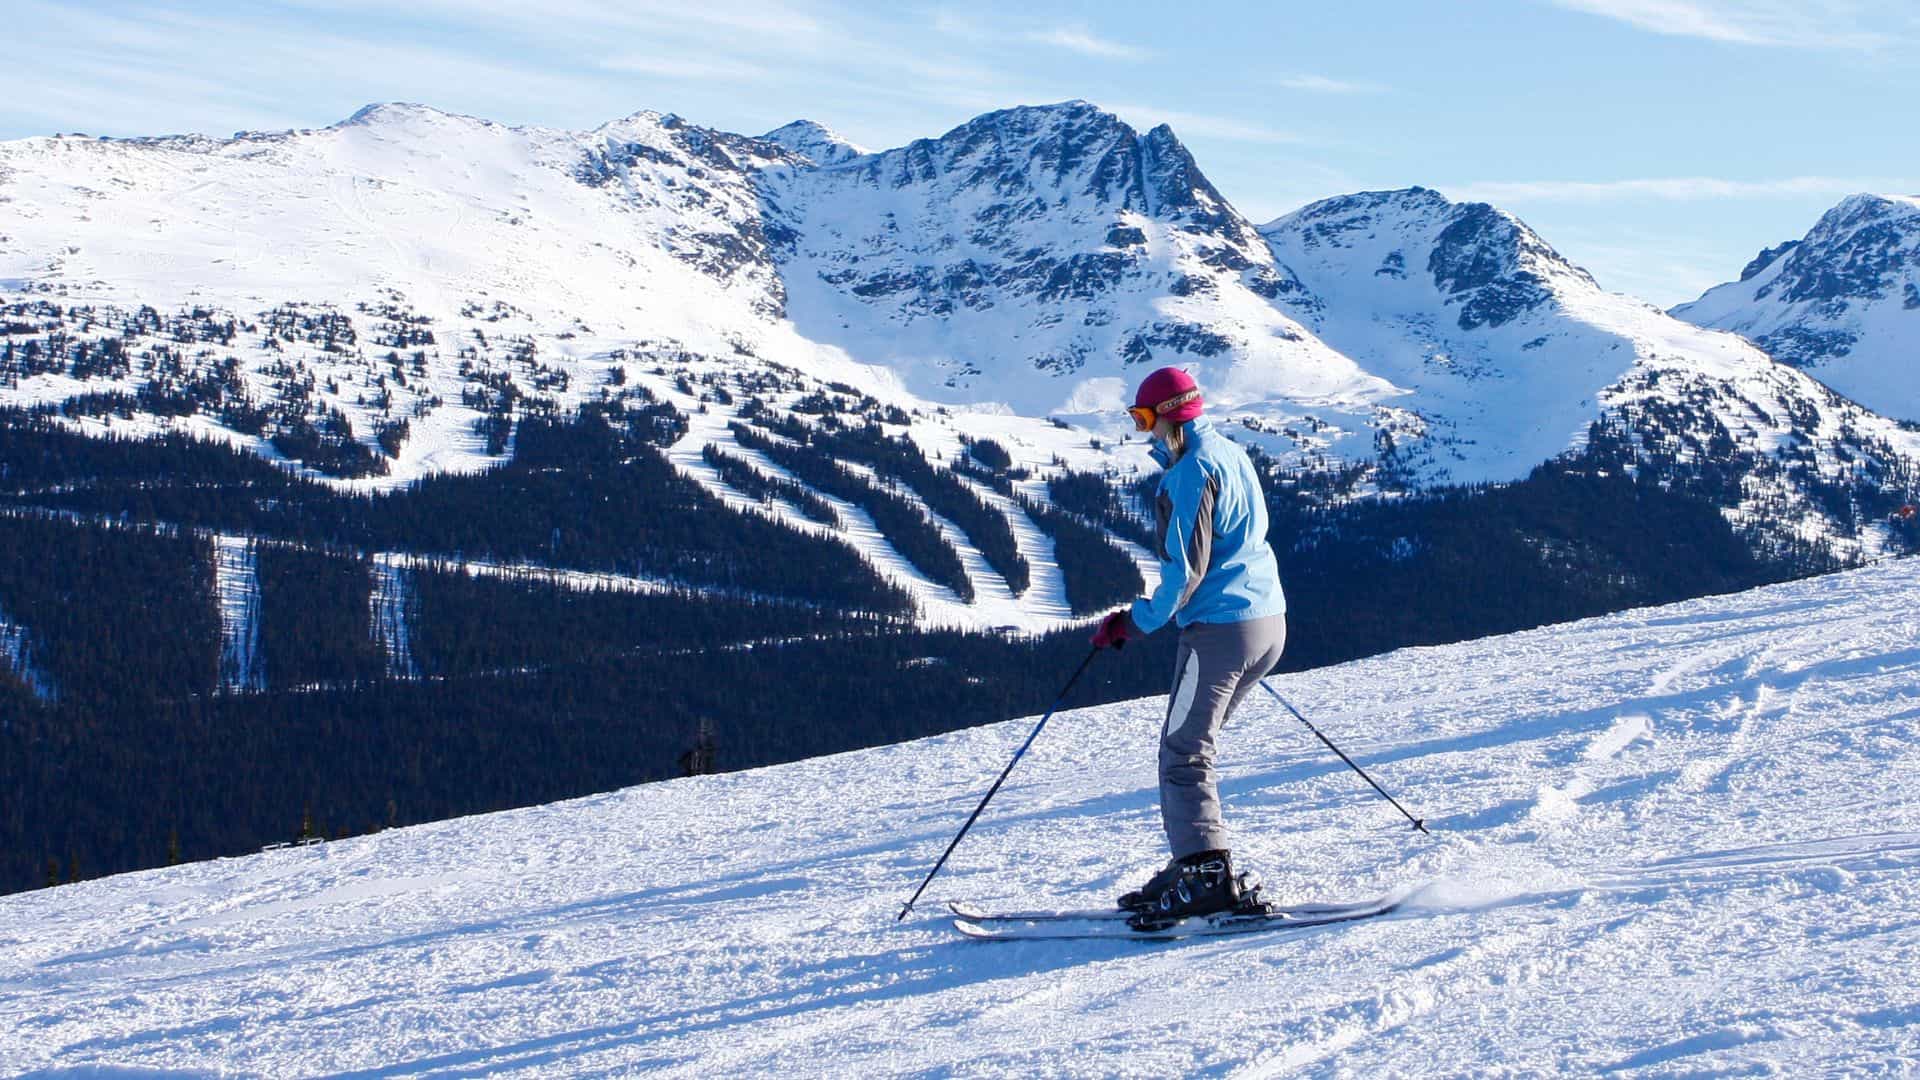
[1183, 520]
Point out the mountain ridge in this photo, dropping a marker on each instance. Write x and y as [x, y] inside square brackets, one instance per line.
[1843, 301]
[431, 276]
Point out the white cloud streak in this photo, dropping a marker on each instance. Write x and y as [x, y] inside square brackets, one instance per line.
[766, 25]
[1671, 189]
[673, 67]
[1320, 84]
[1073, 38]
[1863, 25]
[1080, 41]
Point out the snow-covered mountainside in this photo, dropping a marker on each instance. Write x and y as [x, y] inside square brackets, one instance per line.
[379, 300]
[1843, 302]
[1046, 258]
[1511, 352]
[413, 266]
[1673, 840]
[814, 141]
[405, 265]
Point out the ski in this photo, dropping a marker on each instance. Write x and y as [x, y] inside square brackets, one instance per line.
[976, 914]
[1228, 922]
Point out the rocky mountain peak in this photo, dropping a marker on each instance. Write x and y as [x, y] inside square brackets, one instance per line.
[1481, 258]
[1845, 300]
[1174, 184]
[1857, 251]
[1090, 246]
[1482, 244]
[816, 142]
[1073, 149]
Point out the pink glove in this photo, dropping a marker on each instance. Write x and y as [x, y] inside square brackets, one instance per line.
[1115, 631]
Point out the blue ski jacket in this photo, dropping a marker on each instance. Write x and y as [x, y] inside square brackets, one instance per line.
[1210, 521]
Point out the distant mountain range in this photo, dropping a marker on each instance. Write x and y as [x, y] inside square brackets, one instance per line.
[1842, 302]
[376, 300]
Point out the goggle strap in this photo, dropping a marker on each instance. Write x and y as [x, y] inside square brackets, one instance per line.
[1176, 401]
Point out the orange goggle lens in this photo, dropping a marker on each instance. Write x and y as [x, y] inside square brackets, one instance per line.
[1143, 417]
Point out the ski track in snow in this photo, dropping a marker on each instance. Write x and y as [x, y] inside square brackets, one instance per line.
[237, 585]
[1671, 841]
[1042, 607]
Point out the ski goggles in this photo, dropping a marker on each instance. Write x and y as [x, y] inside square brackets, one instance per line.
[1145, 415]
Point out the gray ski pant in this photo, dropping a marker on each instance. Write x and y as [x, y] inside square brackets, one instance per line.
[1216, 665]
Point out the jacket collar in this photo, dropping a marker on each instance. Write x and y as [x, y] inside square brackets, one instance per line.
[1194, 430]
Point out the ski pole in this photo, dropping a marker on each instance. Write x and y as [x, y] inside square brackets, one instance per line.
[996, 784]
[1417, 822]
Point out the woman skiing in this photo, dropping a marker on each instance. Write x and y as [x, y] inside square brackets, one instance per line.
[1220, 583]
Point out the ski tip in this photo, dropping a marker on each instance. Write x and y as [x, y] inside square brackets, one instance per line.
[972, 929]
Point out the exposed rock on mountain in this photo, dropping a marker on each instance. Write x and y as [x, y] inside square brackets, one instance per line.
[1037, 256]
[1512, 354]
[1843, 302]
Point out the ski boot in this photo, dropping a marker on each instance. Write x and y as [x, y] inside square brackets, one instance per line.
[1203, 884]
[1144, 897]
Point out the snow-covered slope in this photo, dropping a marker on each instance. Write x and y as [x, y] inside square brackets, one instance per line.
[1459, 304]
[1843, 302]
[1675, 840]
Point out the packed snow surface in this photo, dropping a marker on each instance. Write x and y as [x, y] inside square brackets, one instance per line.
[1671, 841]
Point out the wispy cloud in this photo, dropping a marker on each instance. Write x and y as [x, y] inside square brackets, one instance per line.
[1080, 41]
[674, 67]
[1672, 189]
[1827, 24]
[1320, 84]
[1073, 38]
[1206, 125]
[765, 25]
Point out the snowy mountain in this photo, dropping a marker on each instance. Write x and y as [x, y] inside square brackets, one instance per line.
[1044, 258]
[1671, 841]
[816, 142]
[1510, 353]
[388, 297]
[1843, 302]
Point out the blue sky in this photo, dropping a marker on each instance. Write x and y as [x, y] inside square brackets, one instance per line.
[1659, 143]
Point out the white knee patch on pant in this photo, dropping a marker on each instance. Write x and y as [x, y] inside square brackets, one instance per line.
[1184, 688]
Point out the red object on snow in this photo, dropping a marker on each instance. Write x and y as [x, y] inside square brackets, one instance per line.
[1906, 512]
